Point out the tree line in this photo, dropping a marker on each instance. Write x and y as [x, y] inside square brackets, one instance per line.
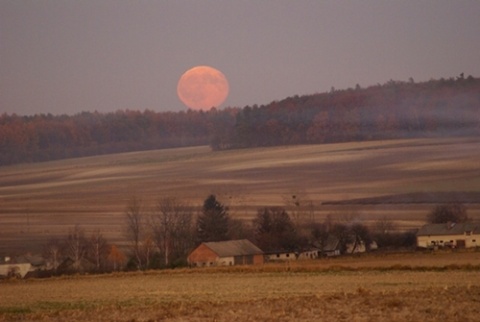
[48, 137]
[162, 236]
[396, 109]
[165, 235]
[78, 252]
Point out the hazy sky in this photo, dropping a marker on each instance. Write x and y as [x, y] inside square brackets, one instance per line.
[66, 56]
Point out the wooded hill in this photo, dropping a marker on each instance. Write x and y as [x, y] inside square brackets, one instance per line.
[396, 109]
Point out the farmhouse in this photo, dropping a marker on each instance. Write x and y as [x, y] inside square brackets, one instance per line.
[226, 253]
[461, 235]
[331, 247]
[12, 268]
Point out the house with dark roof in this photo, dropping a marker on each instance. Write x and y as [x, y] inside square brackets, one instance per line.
[226, 253]
[331, 247]
[455, 235]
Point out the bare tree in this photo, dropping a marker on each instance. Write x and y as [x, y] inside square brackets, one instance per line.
[319, 234]
[348, 217]
[386, 234]
[342, 232]
[52, 252]
[452, 212]
[163, 226]
[116, 257]
[301, 209]
[172, 228]
[76, 246]
[147, 250]
[360, 234]
[183, 238]
[384, 226]
[349, 229]
[98, 249]
[135, 228]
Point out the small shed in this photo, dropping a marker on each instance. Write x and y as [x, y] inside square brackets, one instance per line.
[226, 253]
[461, 235]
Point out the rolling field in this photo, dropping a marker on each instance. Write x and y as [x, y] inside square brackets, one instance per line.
[38, 201]
[401, 287]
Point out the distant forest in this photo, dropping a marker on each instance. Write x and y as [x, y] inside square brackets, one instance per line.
[396, 109]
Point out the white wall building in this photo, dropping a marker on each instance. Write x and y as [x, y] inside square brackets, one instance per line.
[462, 235]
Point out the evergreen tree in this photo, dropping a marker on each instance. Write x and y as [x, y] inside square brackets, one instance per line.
[212, 223]
[274, 230]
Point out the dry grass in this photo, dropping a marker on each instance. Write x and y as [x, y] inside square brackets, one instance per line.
[38, 201]
[361, 292]
[42, 200]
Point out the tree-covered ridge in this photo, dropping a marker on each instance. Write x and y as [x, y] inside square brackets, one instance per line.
[48, 137]
[445, 107]
[393, 110]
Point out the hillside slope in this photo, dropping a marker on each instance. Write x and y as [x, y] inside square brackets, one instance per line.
[38, 201]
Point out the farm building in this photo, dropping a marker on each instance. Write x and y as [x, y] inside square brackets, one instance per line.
[226, 253]
[458, 235]
[12, 268]
[284, 256]
[281, 256]
[331, 247]
[312, 253]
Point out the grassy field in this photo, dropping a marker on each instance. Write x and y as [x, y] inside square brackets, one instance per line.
[38, 201]
[401, 287]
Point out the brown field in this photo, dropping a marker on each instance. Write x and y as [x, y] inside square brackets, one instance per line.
[38, 201]
[396, 287]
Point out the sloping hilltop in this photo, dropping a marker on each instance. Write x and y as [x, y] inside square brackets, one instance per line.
[41, 200]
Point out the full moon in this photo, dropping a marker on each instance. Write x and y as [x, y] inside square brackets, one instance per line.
[202, 87]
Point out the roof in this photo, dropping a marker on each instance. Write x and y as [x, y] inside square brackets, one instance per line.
[331, 244]
[234, 248]
[448, 229]
[35, 260]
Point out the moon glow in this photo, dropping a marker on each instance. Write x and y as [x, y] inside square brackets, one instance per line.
[202, 87]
